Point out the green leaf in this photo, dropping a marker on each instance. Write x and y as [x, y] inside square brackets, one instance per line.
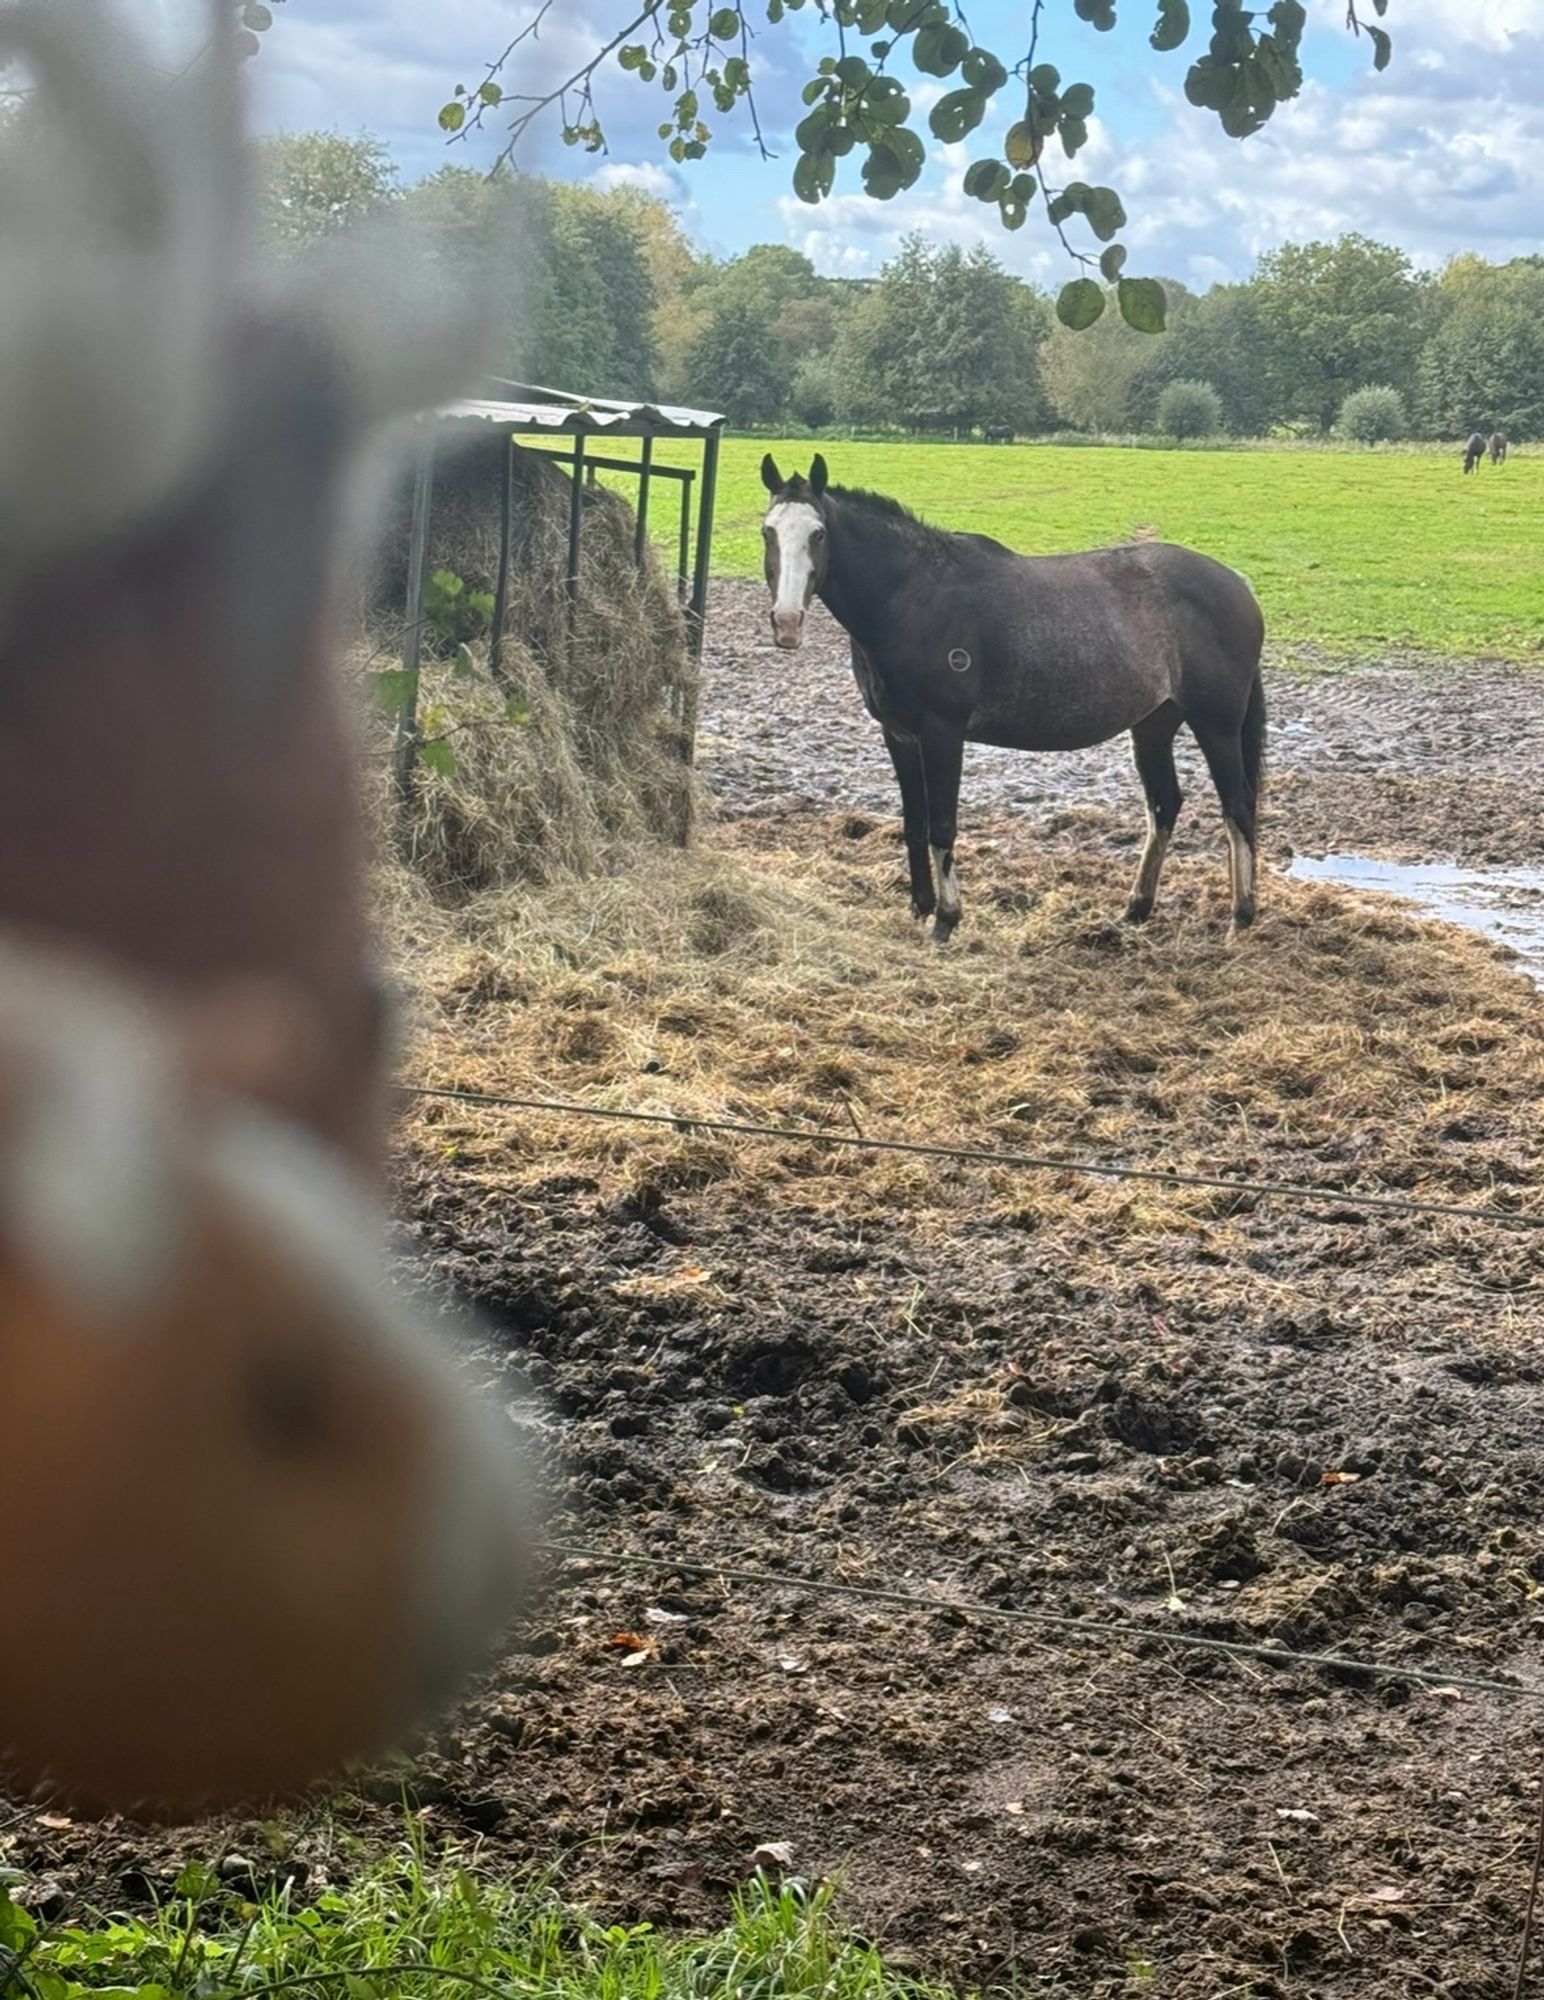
[394, 690]
[891, 165]
[1080, 304]
[1105, 214]
[1078, 101]
[982, 71]
[724, 23]
[517, 709]
[1144, 304]
[939, 49]
[1382, 46]
[813, 177]
[986, 180]
[463, 667]
[1112, 262]
[1045, 79]
[1023, 145]
[437, 756]
[490, 93]
[957, 114]
[1173, 25]
[256, 17]
[452, 117]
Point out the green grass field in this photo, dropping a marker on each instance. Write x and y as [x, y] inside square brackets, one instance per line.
[1359, 553]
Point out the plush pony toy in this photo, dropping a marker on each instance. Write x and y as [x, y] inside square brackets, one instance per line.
[253, 1520]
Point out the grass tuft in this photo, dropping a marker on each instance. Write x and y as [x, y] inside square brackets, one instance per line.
[415, 1927]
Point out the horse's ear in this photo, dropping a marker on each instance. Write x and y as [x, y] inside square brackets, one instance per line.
[818, 475]
[771, 478]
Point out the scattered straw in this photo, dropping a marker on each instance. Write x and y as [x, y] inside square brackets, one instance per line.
[786, 984]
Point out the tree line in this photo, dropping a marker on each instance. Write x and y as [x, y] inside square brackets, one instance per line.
[602, 292]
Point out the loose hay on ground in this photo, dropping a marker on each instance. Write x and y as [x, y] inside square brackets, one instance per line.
[1341, 1042]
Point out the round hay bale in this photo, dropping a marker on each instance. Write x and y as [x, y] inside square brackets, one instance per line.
[595, 759]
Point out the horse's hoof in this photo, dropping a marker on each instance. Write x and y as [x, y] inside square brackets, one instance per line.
[922, 911]
[943, 929]
[1243, 917]
[1139, 909]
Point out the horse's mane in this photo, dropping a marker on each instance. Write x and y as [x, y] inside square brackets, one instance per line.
[888, 509]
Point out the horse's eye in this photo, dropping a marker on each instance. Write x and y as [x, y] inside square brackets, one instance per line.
[818, 535]
[289, 1404]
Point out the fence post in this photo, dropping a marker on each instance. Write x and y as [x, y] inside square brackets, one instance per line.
[698, 615]
[641, 527]
[575, 531]
[405, 742]
[501, 588]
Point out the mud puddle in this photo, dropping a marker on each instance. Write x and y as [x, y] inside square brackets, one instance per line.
[1504, 904]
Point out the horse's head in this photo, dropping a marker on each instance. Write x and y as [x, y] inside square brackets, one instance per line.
[795, 540]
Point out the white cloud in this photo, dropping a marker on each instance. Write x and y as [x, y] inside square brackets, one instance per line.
[1441, 153]
[645, 175]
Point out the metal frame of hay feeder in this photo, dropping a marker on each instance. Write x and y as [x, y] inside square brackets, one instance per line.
[549, 412]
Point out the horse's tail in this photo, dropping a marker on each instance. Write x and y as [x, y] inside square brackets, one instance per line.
[1254, 740]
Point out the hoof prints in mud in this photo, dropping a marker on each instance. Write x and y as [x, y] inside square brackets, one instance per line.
[964, 1416]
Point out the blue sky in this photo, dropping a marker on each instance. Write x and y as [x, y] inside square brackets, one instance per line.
[1443, 153]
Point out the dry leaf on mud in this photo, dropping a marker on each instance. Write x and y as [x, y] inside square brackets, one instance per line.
[640, 1649]
[773, 1854]
[792, 1664]
[654, 1284]
[654, 1616]
[1340, 1479]
[1300, 1814]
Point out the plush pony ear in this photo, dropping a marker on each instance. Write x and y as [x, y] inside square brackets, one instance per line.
[818, 475]
[771, 478]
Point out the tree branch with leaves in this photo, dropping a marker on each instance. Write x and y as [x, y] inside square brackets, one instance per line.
[702, 55]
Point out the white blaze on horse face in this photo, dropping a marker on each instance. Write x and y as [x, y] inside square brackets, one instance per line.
[794, 533]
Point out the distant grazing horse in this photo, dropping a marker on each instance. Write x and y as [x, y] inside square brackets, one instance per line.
[1474, 451]
[258, 1521]
[1000, 433]
[956, 639]
[1498, 447]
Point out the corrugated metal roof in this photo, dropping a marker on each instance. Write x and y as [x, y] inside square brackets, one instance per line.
[556, 410]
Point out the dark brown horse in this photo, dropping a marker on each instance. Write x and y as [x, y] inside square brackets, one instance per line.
[1474, 451]
[955, 640]
[1499, 447]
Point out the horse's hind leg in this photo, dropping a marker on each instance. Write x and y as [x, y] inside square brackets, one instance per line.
[1153, 743]
[1224, 751]
[906, 756]
[943, 757]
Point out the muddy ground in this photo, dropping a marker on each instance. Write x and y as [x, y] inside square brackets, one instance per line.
[1310, 1429]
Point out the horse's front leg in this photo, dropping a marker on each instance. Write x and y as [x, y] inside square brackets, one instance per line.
[906, 756]
[943, 755]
